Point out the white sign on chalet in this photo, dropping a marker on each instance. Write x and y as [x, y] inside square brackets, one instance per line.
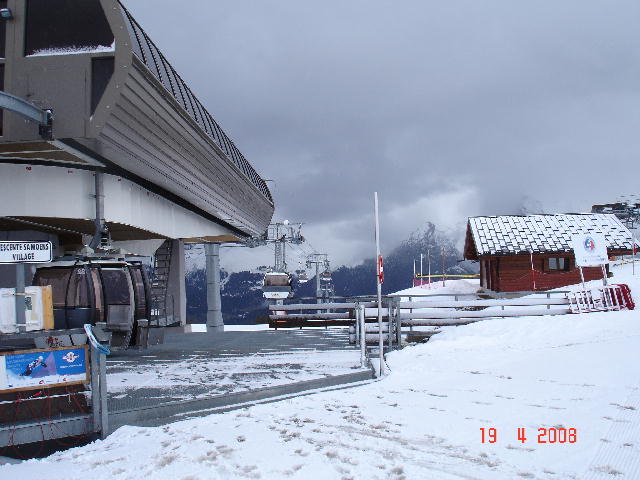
[590, 250]
[26, 252]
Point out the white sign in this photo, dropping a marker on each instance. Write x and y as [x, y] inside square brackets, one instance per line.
[26, 252]
[590, 250]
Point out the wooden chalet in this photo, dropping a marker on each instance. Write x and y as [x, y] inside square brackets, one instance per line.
[533, 252]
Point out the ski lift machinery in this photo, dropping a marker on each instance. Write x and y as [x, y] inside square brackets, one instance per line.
[111, 291]
[277, 283]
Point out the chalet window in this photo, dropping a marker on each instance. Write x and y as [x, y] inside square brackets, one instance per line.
[561, 264]
[66, 26]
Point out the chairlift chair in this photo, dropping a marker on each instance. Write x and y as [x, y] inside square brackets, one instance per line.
[302, 276]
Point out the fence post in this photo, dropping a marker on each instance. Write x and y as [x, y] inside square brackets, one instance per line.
[398, 321]
[363, 335]
[95, 389]
[99, 408]
[389, 323]
[411, 311]
[356, 312]
[104, 410]
[548, 297]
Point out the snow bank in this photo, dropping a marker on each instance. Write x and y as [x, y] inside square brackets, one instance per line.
[451, 287]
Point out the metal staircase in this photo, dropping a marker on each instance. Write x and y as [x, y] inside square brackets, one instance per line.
[159, 286]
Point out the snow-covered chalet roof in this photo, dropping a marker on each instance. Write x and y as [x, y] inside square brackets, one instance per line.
[519, 234]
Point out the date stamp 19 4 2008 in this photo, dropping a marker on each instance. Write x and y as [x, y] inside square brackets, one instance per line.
[544, 435]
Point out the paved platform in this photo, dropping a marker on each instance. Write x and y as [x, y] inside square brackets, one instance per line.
[196, 366]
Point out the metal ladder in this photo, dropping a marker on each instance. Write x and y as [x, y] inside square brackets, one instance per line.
[159, 284]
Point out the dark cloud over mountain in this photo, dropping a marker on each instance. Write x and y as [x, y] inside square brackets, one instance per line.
[448, 109]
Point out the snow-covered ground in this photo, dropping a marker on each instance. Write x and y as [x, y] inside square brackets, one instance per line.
[201, 375]
[424, 420]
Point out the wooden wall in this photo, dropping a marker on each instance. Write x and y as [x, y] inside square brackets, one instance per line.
[513, 274]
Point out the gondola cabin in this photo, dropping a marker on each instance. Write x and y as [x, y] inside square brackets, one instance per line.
[113, 292]
[276, 285]
[533, 252]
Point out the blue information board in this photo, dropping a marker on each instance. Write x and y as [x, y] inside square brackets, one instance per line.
[43, 368]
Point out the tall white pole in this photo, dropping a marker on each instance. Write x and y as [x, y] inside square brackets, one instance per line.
[377, 235]
[429, 265]
[413, 280]
[421, 255]
[363, 335]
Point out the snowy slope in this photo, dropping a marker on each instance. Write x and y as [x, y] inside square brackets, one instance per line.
[423, 421]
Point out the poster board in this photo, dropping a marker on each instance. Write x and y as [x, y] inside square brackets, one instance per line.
[590, 250]
[38, 309]
[35, 369]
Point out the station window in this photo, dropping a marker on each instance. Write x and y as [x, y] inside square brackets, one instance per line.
[54, 26]
[101, 72]
[558, 264]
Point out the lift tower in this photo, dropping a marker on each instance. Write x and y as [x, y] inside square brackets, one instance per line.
[319, 259]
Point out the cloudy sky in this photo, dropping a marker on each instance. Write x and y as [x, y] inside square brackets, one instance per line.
[448, 109]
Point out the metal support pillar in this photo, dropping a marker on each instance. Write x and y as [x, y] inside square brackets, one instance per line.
[100, 230]
[318, 291]
[215, 321]
[20, 298]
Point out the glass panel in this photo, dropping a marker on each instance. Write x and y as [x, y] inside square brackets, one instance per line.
[97, 288]
[58, 278]
[136, 37]
[77, 293]
[140, 293]
[72, 26]
[553, 264]
[167, 75]
[116, 287]
[101, 73]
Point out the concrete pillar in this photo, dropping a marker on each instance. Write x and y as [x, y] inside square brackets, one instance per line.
[214, 301]
[176, 287]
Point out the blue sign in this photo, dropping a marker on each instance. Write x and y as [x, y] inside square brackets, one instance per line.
[23, 370]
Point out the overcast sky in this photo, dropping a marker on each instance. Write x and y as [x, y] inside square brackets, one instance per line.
[448, 109]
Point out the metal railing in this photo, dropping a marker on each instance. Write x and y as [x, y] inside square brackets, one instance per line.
[157, 64]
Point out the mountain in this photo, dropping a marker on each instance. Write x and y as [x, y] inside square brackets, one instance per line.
[242, 300]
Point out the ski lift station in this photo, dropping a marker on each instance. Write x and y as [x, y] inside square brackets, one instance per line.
[104, 145]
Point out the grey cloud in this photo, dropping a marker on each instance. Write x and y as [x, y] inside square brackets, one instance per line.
[418, 100]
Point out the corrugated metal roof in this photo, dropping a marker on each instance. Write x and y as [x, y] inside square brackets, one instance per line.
[514, 234]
